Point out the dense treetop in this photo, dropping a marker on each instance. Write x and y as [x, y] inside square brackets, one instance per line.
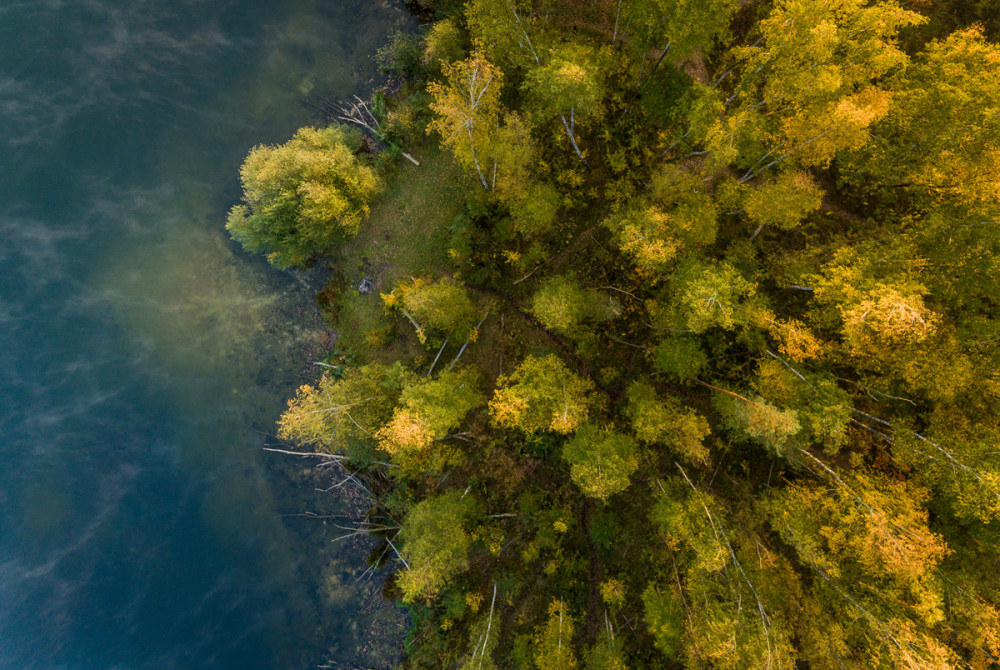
[708, 376]
[302, 197]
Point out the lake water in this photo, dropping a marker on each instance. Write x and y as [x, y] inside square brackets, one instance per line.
[143, 357]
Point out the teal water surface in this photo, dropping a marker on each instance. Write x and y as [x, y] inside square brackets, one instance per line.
[143, 357]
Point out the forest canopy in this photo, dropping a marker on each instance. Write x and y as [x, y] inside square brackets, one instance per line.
[685, 345]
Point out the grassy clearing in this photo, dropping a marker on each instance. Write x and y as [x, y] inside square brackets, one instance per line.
[406, 235]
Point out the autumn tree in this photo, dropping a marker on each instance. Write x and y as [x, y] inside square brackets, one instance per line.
[941, 137]
[821, 407]
[563, 306]
[810, 87]
[302, 197]
[468, 112]
[428, 410]
[435, 544]
[783, 201]
[882, 316]
[793, 223]
[655, 236]
[336, 413]
[601, 461]
[676, 217]
[880, 536]
[761, 421]
[554, 640]
[542, 394]
[441, 306]
[567, 85]
[739, 593]
[657, 420]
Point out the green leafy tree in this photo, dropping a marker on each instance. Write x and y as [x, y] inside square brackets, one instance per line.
[600, 461]
[513, 154]
[709, 295]
[822, 407]
[665, 421]
[504, 28]
[542, 394]
[435, 544]
[783, 201]
[677, 27]
[400, 57]
[445, 44]
[535, 211]
[761, 421]
[664, 620]
[567, 85]
[563, 306]
[956, 457]
[302, 197]
[569, 82]
[679, 357]
[483, 638]
[606, 653]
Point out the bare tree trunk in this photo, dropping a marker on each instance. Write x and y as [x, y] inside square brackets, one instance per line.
[462, 350]
[472, 150]
[618, 13]
[330, 457]
[655, 66]
[413, 321]
[570, 126]
[473, 104]
[524, 32]
[437, 357]
[489, 624]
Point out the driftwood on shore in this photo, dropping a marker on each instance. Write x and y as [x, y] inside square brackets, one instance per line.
[358, 114]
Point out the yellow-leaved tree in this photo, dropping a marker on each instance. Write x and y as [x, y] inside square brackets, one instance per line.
[542, 394]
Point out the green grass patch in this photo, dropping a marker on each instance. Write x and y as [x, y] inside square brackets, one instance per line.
[407, 234]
